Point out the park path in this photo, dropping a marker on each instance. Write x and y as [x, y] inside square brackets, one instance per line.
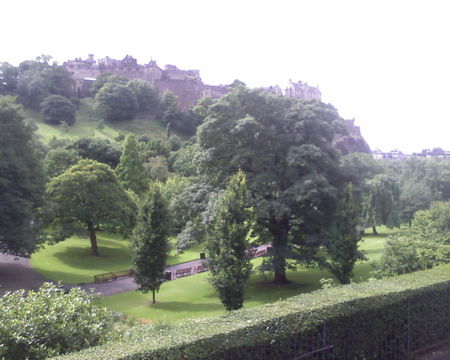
[19, 274]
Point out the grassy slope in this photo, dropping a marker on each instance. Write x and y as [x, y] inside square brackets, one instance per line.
[86, 123]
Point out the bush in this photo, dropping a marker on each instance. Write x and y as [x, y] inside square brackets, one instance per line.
[49, 322]
[56, 109]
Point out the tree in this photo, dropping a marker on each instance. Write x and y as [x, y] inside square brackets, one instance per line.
[101, 150]
[8, 77]
[33, 87]
[22, 182]
[45, 323]
[381, 203]
[414, 196]
[150, 242]
[86, 197]
[56, 109]
[227, 244]
[101, 80]
[424, 245]
[130, 172]
[59, 160]
[283, 146]
[116, 102]
[146, 95]
[343, 248]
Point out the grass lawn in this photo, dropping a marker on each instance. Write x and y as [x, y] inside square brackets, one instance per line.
[86, 122]
[190, 297]
[71, 262]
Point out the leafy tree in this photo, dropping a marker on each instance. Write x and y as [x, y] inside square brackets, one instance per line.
[130, 172]
[414, 196]
[227, 244]
[101, 80]
[33, 87]
[56, 109]
[22, 182]
[381, 203]
[101, 150]
[116, 102]
[45, 323]
[8, 77]
[57, 161]
[168, 111]
[146, 95]
[150, 242]
[343, 249]
[157, 169]
[60, 80]
[86, 197]
[237, 83]
[424, 245]
[283, 146]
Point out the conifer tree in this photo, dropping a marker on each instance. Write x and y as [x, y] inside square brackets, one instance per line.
[150, 245]
[130, 172]
[343, 248]
[228, 261]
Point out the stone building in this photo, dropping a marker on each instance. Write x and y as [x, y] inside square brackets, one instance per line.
[302, 90]
[186, 84]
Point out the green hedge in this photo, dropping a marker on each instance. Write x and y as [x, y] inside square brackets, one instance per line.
[385, 319]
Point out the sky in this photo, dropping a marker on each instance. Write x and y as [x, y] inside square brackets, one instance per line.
[383, 63]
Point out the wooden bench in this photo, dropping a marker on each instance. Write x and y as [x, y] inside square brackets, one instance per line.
[201, 268]
[260, 253]
[114, 275]
[182, 272]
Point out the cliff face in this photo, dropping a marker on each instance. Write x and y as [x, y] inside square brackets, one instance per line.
[353, 142]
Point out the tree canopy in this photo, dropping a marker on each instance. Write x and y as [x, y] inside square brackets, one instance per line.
[22, 182]
[88, 197]
[116, 102]
[55, 109]
[283, 147]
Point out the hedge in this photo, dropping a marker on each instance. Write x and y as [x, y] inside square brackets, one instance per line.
[381, 319]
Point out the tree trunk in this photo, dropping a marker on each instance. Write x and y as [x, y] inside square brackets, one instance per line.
[279, 231]
[374, 231]
[154, 299]
[93, 237]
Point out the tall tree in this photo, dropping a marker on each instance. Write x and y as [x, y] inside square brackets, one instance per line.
[283, 146]
[86, 197]
[116, 102]
[381, 205]
[130, 172]
[414, 196]
[22, 182]
[55, 109]
[146, 95]
[150, 242]
[227, 244]
[8, 77]
[101, 150]
[343, 248]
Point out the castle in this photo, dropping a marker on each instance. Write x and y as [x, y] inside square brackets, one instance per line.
[186, 84]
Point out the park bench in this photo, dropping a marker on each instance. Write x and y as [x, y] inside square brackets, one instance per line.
[182, 272]
[114, 275]
[260, 253]
[201, 268]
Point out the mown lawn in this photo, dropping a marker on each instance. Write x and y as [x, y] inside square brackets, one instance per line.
[190, 297]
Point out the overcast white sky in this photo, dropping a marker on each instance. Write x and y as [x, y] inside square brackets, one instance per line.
[384, 63]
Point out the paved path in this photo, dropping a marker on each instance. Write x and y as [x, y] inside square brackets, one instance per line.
[18, 274]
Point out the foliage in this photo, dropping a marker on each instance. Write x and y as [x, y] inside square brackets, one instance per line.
[283, 146]
[86, 197]
[22, 182]
[343, 249]
[150, 245]
[8, 77]
[383, 310]
[56, 109]
[381, 203]
[130, 172]
[116, 102]
[101, 80]
[424, 245]
[227, 244]
[183, 160]
[414, 196]
[146, 95]
[157, 169]
[47, 322]
[58, 160]
[101, 150]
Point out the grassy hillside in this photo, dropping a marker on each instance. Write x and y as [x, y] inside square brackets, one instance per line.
[86, 125]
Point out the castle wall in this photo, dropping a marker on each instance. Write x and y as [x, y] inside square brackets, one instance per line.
[188, 91]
